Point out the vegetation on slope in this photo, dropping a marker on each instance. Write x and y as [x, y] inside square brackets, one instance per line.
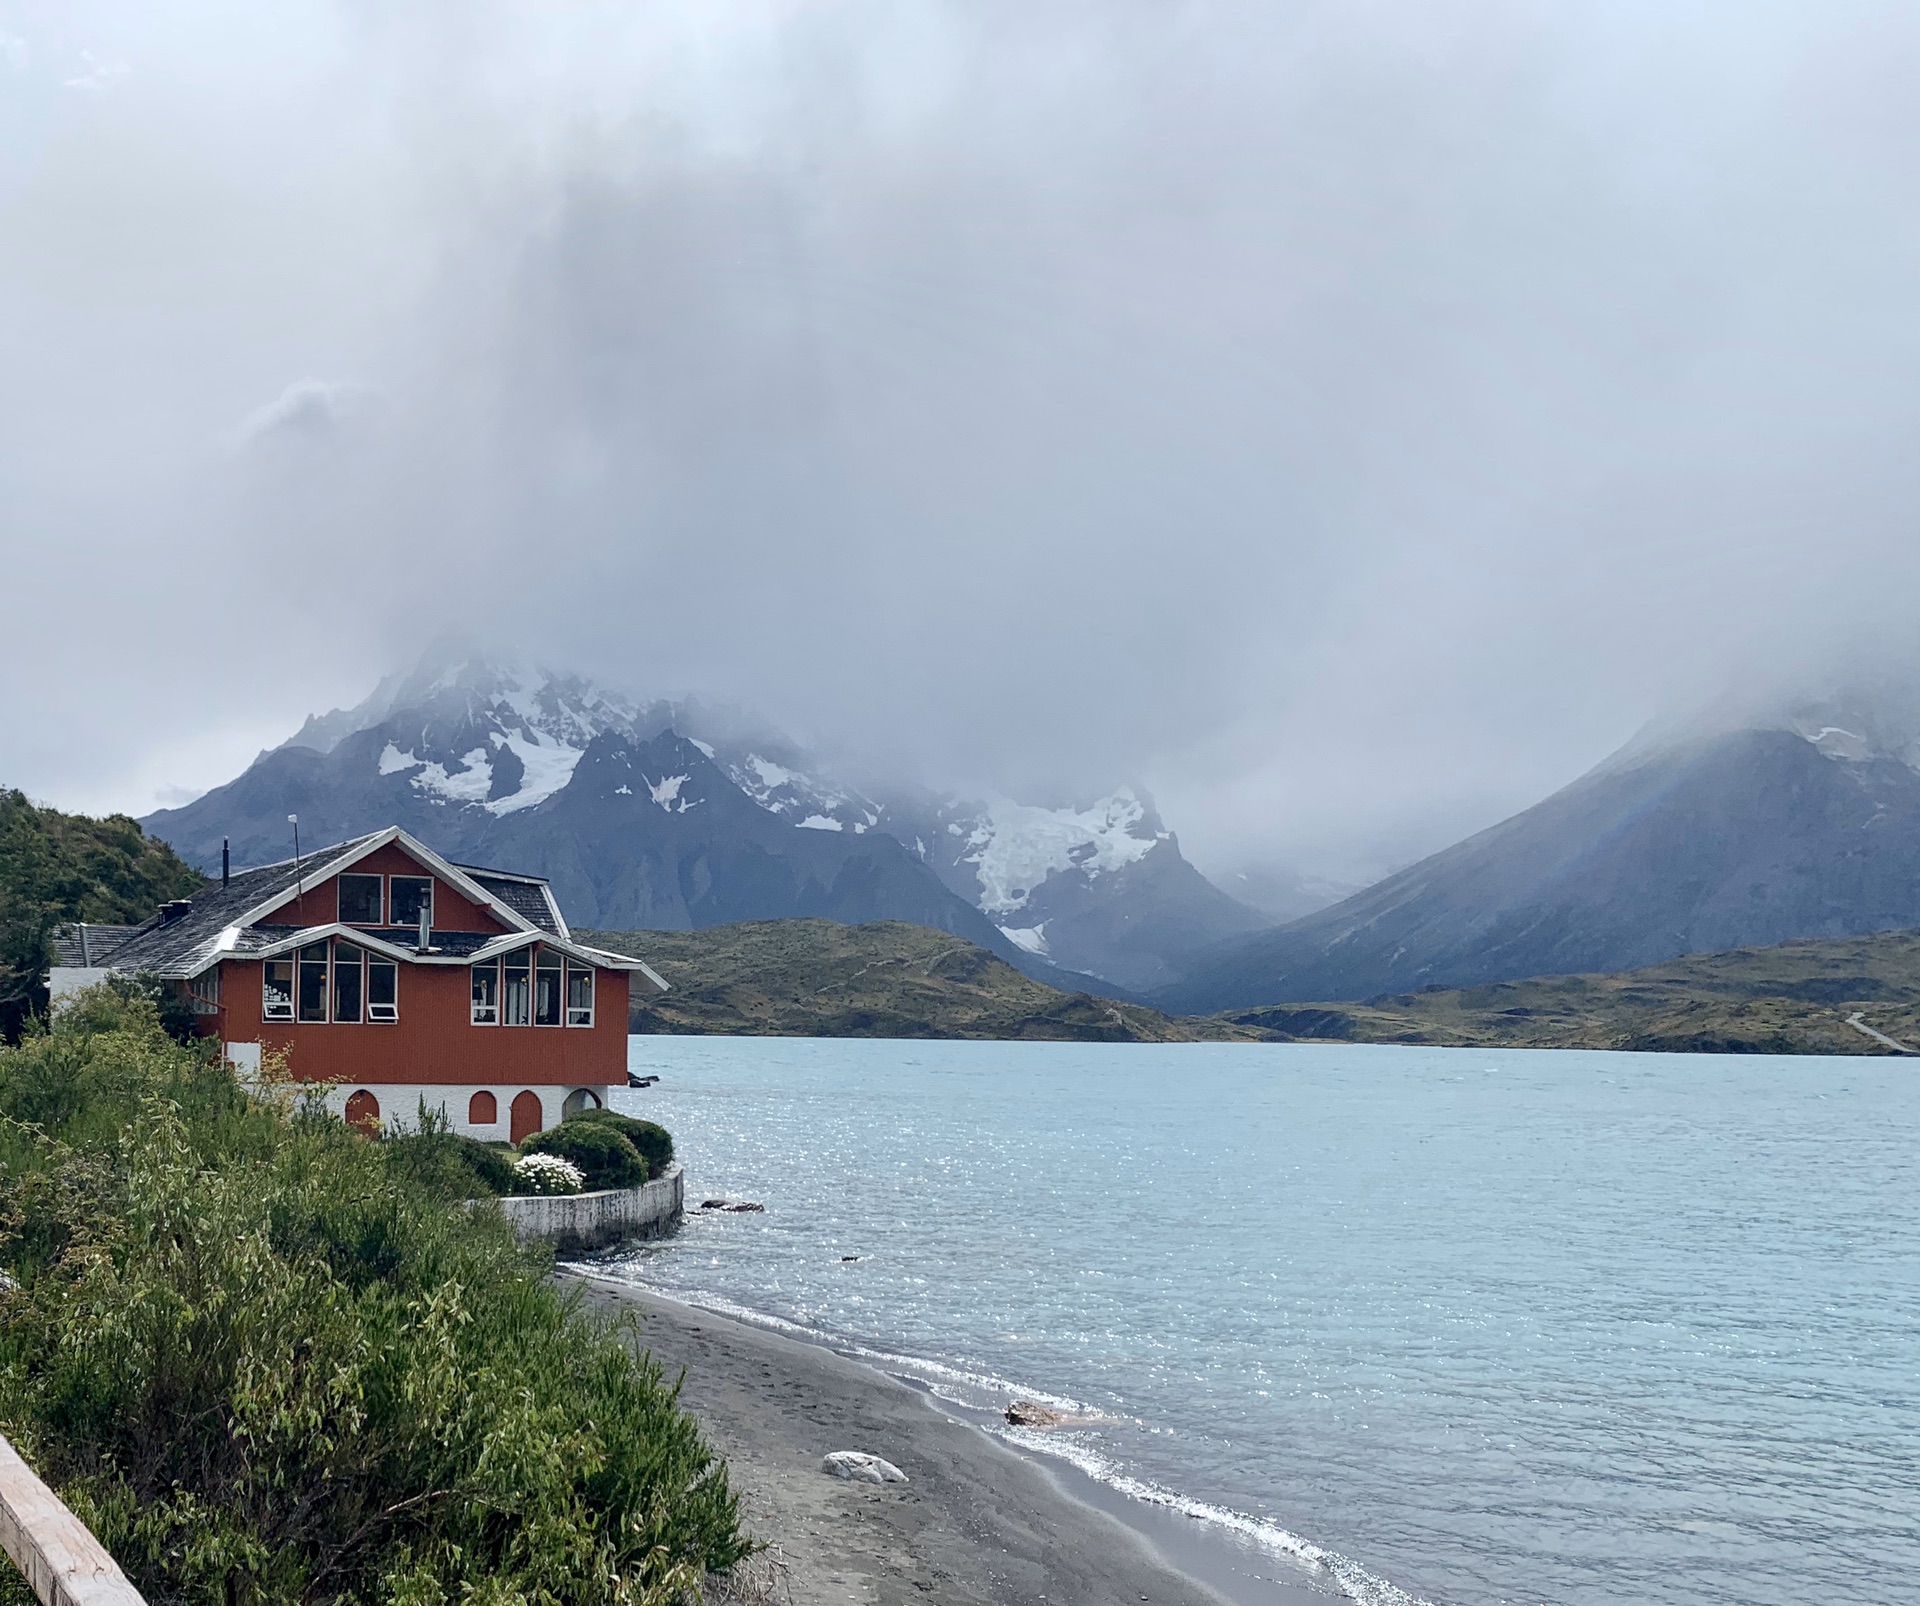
[815, 978]
[57, 867]
[266, 1359]
[1795, 998]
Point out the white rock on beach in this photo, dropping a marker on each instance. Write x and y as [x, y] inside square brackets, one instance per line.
[861, 1467]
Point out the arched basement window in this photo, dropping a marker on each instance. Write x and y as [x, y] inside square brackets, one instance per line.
[363, 1112]
[483, 1109]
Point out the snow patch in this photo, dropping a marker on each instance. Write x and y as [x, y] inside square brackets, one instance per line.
[666, 791]
[770, 773]
[623, 791]
[1032, 938]
[468, 784]
[819, 822]
[547, 764]
[393, 761]
[701, 745]
[1017, 846]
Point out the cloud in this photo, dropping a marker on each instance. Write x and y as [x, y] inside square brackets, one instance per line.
[99, 75]
[1349, 421]
[308, 408]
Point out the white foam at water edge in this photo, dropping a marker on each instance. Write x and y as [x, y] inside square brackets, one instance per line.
[1354, 1580]
[925, 1370]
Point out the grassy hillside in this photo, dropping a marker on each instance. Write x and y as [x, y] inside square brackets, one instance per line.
[1792, 999]
[56, 867]
[814, 978]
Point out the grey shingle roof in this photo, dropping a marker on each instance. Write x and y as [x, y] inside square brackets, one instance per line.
[524, 896]
[182, 947]
[86, 946]
[186, 944]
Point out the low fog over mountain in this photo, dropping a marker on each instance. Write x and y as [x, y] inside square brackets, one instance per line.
[1802, 822]
[672, 815]
[1349, 423]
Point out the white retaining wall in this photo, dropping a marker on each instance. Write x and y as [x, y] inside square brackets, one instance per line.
[595, 1220]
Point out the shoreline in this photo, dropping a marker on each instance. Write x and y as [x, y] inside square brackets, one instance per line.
[980, 1519]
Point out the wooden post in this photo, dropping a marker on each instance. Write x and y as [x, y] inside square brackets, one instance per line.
[60, 1559]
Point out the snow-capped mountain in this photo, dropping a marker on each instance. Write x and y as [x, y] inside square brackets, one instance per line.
[710, 816]
[1101, 888]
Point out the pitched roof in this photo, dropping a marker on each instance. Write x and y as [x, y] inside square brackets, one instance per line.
[527, 896]
[236, 920]
[85, 946]
[184, 946]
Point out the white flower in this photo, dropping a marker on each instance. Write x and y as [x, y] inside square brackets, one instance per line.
[548, 1173]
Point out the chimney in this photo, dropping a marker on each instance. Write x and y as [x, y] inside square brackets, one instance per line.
[226, 864]
[173, 910]
[426, 917]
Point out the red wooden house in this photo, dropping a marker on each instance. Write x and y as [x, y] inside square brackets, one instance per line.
[395, 977]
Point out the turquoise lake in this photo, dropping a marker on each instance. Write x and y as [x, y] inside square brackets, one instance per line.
[1468, 1326]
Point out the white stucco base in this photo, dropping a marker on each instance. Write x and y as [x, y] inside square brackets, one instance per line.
[400, 1104]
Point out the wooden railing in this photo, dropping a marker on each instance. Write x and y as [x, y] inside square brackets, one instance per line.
[63, 1562]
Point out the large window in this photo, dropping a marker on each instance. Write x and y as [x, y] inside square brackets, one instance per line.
[383, 989]
[313, 982]
[360, 900]
[519, 994]
[204, 992]
[276, 990]
[408, 895]
[546, 989]
[349, 983]
[579, 993]
[486, 994]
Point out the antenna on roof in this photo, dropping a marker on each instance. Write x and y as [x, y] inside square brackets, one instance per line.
[298, 895]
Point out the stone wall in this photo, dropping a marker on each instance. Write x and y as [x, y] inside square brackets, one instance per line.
[594, 1220]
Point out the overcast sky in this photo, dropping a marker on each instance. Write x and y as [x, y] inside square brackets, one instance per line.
[1352, 420]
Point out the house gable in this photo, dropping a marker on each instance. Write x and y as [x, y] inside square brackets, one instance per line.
[455, 908]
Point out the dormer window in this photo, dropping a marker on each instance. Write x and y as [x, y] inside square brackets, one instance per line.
[360, 900]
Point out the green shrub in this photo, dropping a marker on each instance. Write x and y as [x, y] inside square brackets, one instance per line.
[606, 1158]
[446, 1163]
[265, 1364]
[655, 1143]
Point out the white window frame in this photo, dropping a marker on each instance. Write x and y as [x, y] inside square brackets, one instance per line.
[380, 901]
[392, 1015]
[560, 1003]
[203, 992]
[474, 1006]
[334, 968]
[300, 962]
[567, 1011]
[280, 1012]
[432, 890]
[520, 957]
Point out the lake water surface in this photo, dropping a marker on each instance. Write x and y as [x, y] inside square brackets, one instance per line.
[1479, 1326]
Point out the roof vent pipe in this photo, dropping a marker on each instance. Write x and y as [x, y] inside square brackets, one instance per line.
[426, 923]
[226, 864]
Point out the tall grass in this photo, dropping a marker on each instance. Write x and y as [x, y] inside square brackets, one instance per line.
[266, 1364]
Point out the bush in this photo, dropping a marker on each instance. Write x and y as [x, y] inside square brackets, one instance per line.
[545, 1175]
[447, 1164]
[655, 1143]
[264, 1364]
[605, 1158]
